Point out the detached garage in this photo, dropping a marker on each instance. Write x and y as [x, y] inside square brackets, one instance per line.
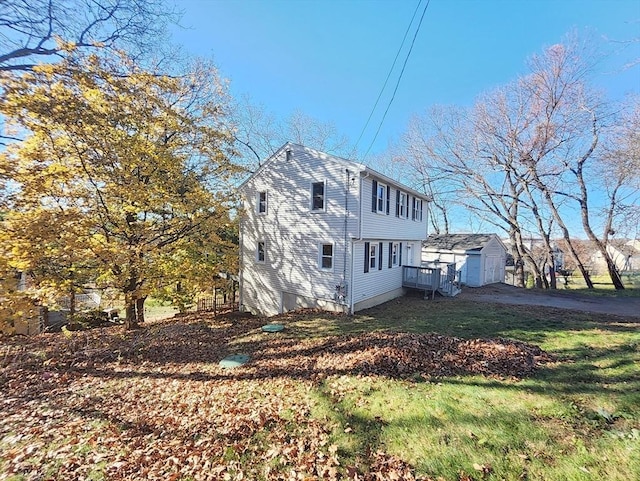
[480, 258]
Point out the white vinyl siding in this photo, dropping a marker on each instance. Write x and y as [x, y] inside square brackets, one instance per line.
[375, 281]
[388, 227]
[293, 232]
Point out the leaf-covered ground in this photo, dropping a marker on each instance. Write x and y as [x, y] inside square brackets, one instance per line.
[154, 404]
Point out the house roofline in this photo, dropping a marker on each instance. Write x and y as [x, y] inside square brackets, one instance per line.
[349, 164]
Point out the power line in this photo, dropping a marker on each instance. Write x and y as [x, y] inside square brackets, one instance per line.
[413, 41]
[388, 75]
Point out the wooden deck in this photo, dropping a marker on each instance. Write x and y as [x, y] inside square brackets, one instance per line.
[431, 279]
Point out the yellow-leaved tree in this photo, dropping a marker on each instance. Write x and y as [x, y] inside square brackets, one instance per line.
[118, 170]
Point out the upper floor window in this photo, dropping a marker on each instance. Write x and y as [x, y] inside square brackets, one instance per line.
[402, 204]
[326, 256]
[317, 196]
[262, 202]
[379, 197]
[417, 210]
[261, 253]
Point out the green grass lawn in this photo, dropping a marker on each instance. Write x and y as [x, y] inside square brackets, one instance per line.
[578, 418]
[153, 403]
[603, 285]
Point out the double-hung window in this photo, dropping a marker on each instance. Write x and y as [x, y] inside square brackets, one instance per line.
[261, 252]
[326, 256]
[262, 202]
[318, 202]
[417, 210]
[394, 254]
[403, 205]
[381, 198]
[373, 256]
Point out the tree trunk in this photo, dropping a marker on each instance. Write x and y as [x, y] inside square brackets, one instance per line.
[552, 272]
[565, 231]
[518, 261]
[140, 309]
[130, 321]
[72, 305]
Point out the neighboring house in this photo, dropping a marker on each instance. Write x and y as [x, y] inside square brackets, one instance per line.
[624, 254]
[480, 258]
[324, 232]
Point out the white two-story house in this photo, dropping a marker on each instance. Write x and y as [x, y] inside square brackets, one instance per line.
[324, 232]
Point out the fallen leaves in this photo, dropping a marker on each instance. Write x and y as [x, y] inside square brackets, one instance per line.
[153, 404]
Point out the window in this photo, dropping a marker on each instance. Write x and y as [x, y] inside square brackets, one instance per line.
[379, 197]
[326, 256]
[262, 202]
[373, 256]
[402, 205]
[317, 196]
[261, 252]
[394, 254]
[417, 210]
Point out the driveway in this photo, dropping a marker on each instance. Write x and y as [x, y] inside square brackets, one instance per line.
[560, 299]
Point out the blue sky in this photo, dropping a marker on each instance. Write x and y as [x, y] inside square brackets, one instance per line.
[329, 59]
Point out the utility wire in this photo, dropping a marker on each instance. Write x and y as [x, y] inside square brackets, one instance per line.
[388, 76]
[413, 41]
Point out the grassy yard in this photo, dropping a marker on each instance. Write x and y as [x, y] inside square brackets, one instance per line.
[603, 285]
[153, 404]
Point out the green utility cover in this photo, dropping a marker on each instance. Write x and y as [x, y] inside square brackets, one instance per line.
[235, 360]
[272, 327]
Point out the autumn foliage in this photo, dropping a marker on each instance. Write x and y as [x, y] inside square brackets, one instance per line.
[154, 404]
[120, 172]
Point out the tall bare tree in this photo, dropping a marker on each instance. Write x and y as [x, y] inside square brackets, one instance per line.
[526, 156]
[35, 31]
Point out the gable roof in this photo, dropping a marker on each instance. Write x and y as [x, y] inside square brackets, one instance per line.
[458, 242]
[349, 164]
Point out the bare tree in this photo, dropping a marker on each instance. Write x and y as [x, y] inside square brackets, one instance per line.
[36, 31]
[567, 127]
[527, 156]
[620, 160]
[259, 133]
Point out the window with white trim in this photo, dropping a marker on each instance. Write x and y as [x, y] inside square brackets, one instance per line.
[403, 205]
[417, 210]
[262, 202]
[394, 254]
[326, 256]
[373, 256]
[261, 252]
[317, 196]
[381, 198]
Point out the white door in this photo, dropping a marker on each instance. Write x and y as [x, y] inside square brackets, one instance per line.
[410, 255]
[491, 270]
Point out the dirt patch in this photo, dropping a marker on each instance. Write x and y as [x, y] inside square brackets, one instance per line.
[506, 294]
